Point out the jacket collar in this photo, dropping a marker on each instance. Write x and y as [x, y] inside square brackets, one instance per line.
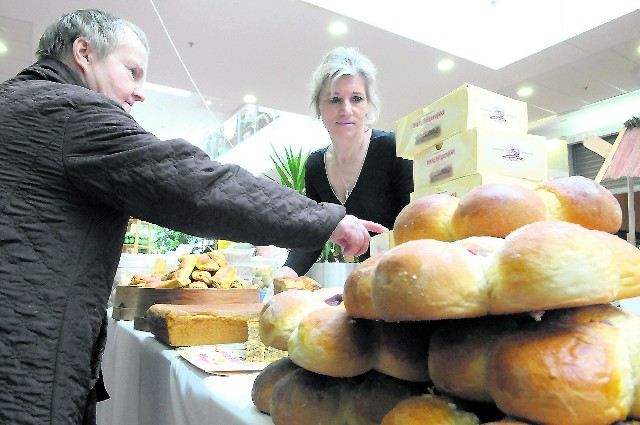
[50, 69]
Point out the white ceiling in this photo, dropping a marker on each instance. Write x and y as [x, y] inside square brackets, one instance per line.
[270, 47]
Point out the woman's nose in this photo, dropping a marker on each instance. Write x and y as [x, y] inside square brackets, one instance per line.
[346, 107]
[138, 95]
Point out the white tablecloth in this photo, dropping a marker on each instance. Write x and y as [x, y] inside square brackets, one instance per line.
[151, 384]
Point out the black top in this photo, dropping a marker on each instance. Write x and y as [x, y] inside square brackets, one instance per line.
[382, 190]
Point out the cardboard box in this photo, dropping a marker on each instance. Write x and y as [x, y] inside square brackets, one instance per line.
[482, 150]
[459, 187]
[466, 107]
[557, 159]
[382, 242]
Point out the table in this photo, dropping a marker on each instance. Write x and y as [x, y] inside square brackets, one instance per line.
[151, 384]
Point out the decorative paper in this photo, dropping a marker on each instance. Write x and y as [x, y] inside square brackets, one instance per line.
[221, 359]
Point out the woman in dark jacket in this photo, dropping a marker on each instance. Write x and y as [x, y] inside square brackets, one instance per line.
[74, 166]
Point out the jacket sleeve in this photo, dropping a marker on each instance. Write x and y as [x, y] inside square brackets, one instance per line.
[109, 157]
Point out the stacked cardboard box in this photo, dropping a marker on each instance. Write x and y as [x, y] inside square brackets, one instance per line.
[470, 137]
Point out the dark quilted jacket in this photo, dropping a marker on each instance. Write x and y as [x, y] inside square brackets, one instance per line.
[74, 167]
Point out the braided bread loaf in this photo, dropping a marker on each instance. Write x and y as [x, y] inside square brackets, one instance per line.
[499, 209]
[543, 265]
[577, 366]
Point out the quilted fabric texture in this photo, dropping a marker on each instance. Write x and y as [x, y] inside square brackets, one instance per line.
[73, 168]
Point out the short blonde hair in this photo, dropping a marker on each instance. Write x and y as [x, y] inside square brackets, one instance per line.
[343, 61]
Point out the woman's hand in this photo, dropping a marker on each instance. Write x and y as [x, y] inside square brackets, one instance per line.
[352, 234]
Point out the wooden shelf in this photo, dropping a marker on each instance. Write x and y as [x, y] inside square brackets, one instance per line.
[136, 246]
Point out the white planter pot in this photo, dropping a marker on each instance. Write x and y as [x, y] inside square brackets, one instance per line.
[331, 275]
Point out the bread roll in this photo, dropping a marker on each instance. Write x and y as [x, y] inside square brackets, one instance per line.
[496, 210]
[428, 409]
[563, 375]
[377, 394]
[551, 264]
[459, 359]
[581, 200]
[357, 290]
[329, 342]
[282, 313]
[262, 388]
[627, 323]
[403, 350]
[303, 397]
[625, 263]
[428, 217]
[428, 280]
[577, 366]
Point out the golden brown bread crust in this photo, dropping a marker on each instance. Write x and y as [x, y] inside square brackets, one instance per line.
[428, 409]
[263, 384]
[581, 200]
[329, 342]
[188, 325]
[357, 290]
[305, 283]
[282, 313]
[576, 366]
[574, 375]
[540, 266]
[551, 264]
[429, 280]
[426, 218]
[496, 210]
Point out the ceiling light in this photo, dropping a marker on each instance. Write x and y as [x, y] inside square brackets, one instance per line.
[499, 34]
[445, 64]
[3, 47]
[249, 98]
[525, 91]
[338, 28]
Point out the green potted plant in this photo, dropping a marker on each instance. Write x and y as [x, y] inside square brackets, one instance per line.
[290, 167]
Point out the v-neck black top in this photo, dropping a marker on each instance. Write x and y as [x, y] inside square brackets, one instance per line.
[382, 190]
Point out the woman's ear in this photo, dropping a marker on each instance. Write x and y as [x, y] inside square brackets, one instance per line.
[81, 50]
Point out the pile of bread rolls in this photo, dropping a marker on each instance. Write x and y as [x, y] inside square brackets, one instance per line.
[476, 328]
[499, 209]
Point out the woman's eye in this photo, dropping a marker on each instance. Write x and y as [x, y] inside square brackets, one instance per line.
[134, 72]
[357, 99]
[334, 99]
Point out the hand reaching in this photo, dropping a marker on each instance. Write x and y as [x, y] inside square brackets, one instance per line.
[352, 234]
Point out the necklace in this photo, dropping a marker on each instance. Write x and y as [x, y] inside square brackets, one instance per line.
[348, 191]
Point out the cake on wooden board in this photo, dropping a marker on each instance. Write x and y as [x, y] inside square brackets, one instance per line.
[188, 325]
